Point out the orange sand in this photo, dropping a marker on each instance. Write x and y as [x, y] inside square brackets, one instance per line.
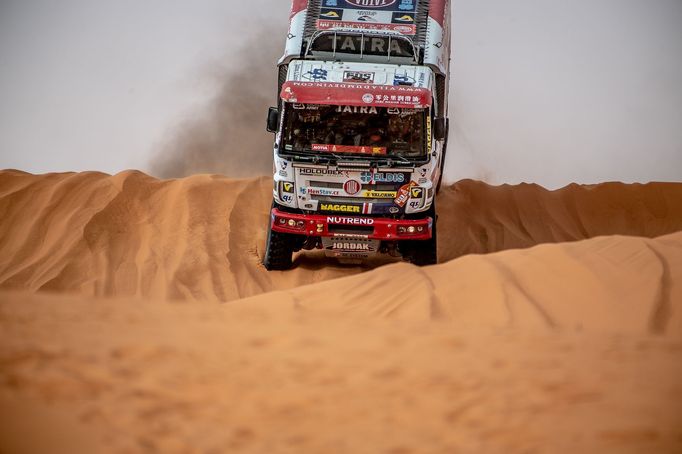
[574, 346]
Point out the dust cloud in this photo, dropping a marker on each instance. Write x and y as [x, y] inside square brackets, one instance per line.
[229, 138]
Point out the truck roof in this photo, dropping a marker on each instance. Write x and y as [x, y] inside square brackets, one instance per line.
[422, 23]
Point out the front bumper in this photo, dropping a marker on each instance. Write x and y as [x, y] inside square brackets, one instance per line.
[344, 226]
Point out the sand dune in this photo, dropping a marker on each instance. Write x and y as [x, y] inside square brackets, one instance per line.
[202, 237]
[607, 284]
[562, 334]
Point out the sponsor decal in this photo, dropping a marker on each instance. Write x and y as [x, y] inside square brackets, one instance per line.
[324, 192]
[404, 194]
[415, 204]
[331, 14]
[349, 221]
[288, 187]
[423, 181]
[309, 92]
[402, 18]
[283, 164]
[316, 74]
[283, 173]
[358, 109]
[403, 79]
[297, 71]
[371, 3]
[417, 192]
[329, 24]
[349, 235]
[351, 187]
[348, 149]
[380, 194]
[340, 208]
[287, 198]
[318, 172]
[397, 15]
[350, 246]
[394, 210]
[422, 172]
[382, 177]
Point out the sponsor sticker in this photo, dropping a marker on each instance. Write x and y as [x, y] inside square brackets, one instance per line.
[357, 109]
[398, 15]
[340, 208]
[371, 3]
[351, 246]
[288, 187]
[348, 149]
[358, 77]
[404, 194]
[316, 74]
[324, 192]
[349, 221]
[380, 194]
[382, 177]
[331, 14]
[318, 172]
[351, 187]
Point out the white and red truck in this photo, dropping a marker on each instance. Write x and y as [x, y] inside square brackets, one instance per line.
[360, 130]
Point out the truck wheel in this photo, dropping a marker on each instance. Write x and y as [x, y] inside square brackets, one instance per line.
[424, 252]
[278, 250]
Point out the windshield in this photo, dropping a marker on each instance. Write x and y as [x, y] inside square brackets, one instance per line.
[354, 130]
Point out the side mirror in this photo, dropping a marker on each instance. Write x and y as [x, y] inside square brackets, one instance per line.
[273, 119]
[440, 128]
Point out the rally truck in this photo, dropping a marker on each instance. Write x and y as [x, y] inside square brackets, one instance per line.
[360, 130]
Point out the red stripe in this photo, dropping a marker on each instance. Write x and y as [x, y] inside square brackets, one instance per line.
[297, 6]
[437, 10]
[340, 94]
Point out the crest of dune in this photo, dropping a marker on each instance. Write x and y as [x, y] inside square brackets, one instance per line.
[135, 316]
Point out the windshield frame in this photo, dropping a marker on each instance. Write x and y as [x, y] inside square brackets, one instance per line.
[309, 154]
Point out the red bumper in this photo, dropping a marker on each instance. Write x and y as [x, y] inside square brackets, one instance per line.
[339, 225]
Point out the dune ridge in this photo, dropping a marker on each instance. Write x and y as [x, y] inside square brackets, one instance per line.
[605, 284]
[202, 237]
[553, 324]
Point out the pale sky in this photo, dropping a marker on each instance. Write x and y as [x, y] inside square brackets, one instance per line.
[550, 91]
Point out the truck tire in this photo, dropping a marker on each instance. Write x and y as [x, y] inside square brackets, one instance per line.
[422, 252]
[279, 250]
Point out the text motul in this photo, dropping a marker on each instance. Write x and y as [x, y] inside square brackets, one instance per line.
[371, 3]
